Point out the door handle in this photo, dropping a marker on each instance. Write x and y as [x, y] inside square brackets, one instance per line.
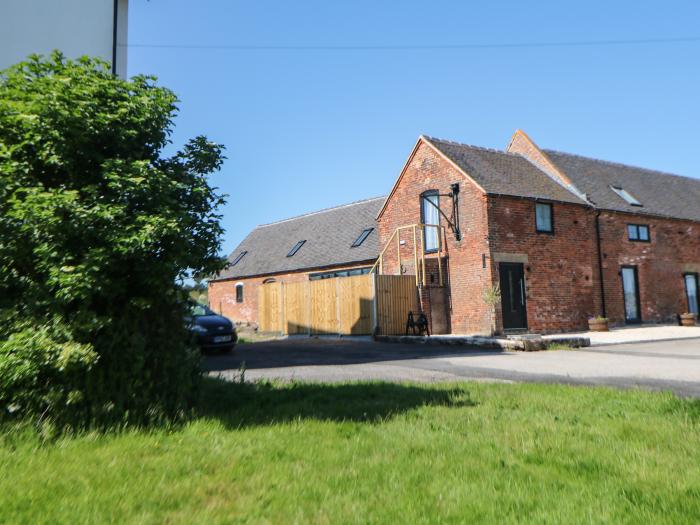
[522, 292]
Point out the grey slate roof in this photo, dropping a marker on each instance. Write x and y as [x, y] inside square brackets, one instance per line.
[328, 233]
[502, 173]
[660, 193]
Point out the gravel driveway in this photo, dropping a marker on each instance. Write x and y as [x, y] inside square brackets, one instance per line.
[671, 365]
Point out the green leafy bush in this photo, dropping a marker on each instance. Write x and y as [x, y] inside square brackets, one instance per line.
[97, 226]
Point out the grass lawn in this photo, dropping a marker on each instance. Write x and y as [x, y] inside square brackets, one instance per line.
[374, 453]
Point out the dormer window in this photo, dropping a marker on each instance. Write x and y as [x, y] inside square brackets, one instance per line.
[362, 237]
[624, 194]
[295, 248]
[238, 258]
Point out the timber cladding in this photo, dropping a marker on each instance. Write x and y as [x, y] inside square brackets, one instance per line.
[343, 305]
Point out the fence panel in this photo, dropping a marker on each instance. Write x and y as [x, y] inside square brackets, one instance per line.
[297, 311]
[343, 305]
[270, 314]
[355, 298]
[324, 306]
[396, 295]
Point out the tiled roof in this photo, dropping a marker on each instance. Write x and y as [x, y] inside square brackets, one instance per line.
[502, 173]
[328, 233]
[659, 193]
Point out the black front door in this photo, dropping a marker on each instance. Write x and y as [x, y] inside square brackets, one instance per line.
[513, 295]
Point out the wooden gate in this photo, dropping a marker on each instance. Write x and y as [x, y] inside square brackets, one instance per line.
[396, 295]
[358, 305]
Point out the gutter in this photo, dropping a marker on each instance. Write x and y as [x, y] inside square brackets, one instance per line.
[600, 263]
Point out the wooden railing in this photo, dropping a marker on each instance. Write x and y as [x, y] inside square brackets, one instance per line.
[418, 232]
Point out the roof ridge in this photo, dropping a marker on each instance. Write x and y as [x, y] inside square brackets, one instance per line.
[622, 164]
[323, 210]
[474, 146]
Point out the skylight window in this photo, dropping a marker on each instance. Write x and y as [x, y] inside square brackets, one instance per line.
[362, 237]
[625, 195]
[295, 248]
[238, 258]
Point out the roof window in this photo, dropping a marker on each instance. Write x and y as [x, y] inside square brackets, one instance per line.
[362, 237]
[295, 248]
[238, 258]
[625, 195]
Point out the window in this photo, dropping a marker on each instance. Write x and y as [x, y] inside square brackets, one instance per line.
[362, 237]
[638, 232]
[295, 248]
[627, 196]
[430, 215]
[691, 292]
[543, 217]
[239, 293]
[338, 273]
[238, 258]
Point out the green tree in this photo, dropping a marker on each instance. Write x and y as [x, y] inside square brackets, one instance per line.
[96, 227]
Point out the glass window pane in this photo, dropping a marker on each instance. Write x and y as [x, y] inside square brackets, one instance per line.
[630, 290]
[431, 216]
[644, 233]
[632, 232]
[691, 290]
[543, 215]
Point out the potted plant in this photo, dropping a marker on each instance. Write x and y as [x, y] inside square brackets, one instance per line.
[598, 324]
[688, 319]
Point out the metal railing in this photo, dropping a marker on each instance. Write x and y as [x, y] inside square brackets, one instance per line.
[418, 232]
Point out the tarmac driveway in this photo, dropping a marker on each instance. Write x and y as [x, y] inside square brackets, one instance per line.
[670, 365]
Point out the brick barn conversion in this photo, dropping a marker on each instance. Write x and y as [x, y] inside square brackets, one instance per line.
[525, 239]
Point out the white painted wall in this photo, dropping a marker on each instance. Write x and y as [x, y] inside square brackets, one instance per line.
[76, 27]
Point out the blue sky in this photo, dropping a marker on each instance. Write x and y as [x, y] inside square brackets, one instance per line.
[309, 129]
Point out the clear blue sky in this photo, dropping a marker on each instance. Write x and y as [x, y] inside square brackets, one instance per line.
[308, 129]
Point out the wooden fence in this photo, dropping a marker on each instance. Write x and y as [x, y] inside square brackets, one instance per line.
[358, 305]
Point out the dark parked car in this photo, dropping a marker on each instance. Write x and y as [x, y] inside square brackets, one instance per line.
[211, 330]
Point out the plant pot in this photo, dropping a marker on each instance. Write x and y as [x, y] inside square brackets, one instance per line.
[688, 319]
[598, 325]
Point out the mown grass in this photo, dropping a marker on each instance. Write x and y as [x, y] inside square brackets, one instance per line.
[374, 453]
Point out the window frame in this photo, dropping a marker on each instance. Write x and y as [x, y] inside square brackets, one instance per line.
[362, 237]
[637, 229]
[551, 217]
[697, 289]
[423, 196]
[626, 196]
[348, 272]
[239, 293]
[296, 248]
[239, 257]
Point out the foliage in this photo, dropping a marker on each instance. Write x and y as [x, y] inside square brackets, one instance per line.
[96, 227]
[491, 295]
[599, 319]
[374, 453]
[197, 290]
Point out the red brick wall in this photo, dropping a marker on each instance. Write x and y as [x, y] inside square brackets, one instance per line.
[222, 294]
[428, 170]
[561, 269]
[673, 250]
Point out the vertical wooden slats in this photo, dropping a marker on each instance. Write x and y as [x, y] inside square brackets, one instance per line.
[344, 305]
[396, 295]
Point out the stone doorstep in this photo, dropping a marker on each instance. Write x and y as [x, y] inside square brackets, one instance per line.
[526, 344]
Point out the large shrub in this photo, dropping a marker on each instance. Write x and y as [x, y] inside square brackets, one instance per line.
[97, 225]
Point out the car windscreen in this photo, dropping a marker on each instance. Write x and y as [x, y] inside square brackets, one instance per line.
[199, 310]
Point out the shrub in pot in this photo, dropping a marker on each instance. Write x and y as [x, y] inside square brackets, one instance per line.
[598, 324]
[688, 319]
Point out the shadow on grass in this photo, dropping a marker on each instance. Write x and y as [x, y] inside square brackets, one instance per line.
[249, 404]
